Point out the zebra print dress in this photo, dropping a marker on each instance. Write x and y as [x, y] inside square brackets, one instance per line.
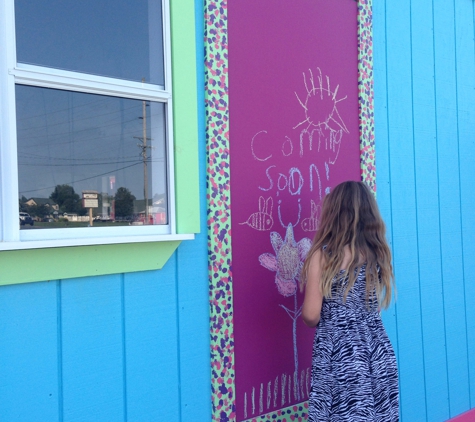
[354, 370]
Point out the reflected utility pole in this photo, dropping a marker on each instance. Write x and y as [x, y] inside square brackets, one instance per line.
[143, 146]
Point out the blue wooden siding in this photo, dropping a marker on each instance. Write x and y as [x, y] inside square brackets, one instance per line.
[425, 134]
[135, 347]
[130, 347]
[124, 347]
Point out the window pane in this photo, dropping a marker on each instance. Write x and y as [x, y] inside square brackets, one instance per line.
[116, 38]
[84, 153]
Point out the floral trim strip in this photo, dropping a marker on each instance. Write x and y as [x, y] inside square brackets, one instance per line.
[295, 413]
[219, 213]
[366, 93]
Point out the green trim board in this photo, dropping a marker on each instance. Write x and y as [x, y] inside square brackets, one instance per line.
[185, 121]
[24, 266]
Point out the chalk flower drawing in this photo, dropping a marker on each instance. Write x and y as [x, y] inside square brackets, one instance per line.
[287, 263]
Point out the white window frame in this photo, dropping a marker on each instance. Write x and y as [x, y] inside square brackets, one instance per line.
[12, 73]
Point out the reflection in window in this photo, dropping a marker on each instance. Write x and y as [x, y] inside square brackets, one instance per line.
[86, 158]
[116, 38]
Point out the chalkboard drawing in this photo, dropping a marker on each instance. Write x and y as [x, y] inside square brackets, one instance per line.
[322, 115]
[262, 220]
[320, 104]
[287, 263]
[310, 224]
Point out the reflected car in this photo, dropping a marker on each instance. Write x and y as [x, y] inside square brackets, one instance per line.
[104, 218]
[26, 219]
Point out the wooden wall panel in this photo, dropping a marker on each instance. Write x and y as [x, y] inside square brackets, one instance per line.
[425, 150]
[151, 352]
[383, 158]
[29, 365]
[108, 348]
[427, 202]
[193, 323]
[449, 205]
[92, 349]
[403, 207]
[465, 65]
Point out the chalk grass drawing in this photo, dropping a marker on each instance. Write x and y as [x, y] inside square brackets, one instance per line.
[269, 395]
[245, 405]
[287, 263]
[310, 224]
[288, 383]
[261, 399]
[262, 220]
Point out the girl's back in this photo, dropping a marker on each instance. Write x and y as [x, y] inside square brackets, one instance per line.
[354, 370]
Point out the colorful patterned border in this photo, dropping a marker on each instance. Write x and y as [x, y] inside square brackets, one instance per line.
[295, 413]
[219, 213]
[366, 92]
[219, 200]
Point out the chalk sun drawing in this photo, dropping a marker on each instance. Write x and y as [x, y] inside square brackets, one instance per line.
[287, 263]
[321, 115]
[262, 220]
[320, 104]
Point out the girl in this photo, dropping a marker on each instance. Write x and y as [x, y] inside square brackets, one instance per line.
[347, 276]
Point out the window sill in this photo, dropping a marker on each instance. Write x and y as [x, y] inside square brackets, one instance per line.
[60, 243]
[47, 260]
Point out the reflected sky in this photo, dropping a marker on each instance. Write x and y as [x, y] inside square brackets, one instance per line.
[91, 142]
[116, 38]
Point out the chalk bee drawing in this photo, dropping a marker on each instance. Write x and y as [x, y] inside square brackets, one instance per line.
[287, 263]
[310, 224]
[262, 220]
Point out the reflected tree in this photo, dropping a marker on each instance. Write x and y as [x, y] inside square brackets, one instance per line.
[67, 199]
[124, 202]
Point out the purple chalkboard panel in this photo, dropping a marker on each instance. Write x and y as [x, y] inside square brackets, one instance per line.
[293, 109]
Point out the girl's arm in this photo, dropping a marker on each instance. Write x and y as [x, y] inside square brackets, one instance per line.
[312, 304]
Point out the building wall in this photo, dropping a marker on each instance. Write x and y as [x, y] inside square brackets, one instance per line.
[136, 346]
[129, 347]
[425, 149]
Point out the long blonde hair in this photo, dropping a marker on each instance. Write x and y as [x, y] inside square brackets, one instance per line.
[350, 217]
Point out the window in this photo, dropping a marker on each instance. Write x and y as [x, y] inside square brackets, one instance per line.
[87, 128]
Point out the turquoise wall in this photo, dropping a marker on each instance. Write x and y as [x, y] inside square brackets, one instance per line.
[125, 347]
[425, 138]
[135, 346]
